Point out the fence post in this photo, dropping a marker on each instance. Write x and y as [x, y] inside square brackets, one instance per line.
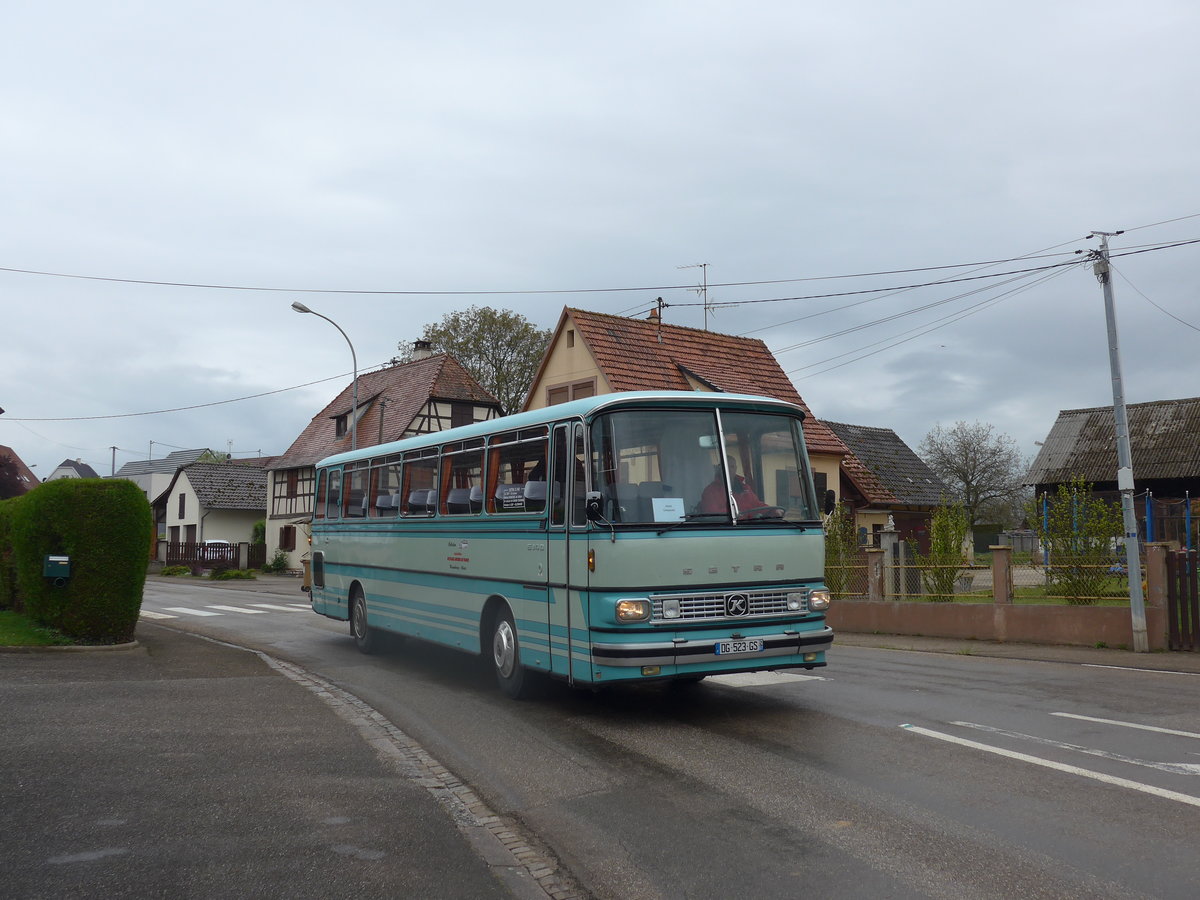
[875, 589]
[889, 543]
[1002, 579]
[1156, 574]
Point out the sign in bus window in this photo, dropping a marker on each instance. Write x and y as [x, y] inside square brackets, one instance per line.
[517, 476]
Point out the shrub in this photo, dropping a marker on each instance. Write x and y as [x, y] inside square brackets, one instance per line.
[105, 527]
[175, 571]
[232, 575]
[278, 563]
[940, 569]
[8, 573]
[1077, 530]
[841, 549]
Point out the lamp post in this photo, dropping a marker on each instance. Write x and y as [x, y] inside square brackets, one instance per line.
[301, 308]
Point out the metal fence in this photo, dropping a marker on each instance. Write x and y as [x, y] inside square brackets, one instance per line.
[1073, 581]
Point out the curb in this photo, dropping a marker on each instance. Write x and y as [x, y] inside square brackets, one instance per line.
[73, 648]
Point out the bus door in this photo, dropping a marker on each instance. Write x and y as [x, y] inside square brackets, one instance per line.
[567, 547]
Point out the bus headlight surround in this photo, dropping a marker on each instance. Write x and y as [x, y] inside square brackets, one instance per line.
[818, 601]
[633, 610]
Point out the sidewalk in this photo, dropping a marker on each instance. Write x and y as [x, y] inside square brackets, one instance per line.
[1094, 656]
[188, 768]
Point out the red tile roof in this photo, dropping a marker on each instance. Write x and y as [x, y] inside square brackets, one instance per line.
[406, 387]
[642, 354]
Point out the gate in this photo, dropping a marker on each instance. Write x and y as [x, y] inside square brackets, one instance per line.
[1183, 600]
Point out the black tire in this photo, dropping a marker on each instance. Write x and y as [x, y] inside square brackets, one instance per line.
[506, 657]
[366, 639]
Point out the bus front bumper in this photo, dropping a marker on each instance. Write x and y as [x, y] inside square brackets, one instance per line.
[690, 651]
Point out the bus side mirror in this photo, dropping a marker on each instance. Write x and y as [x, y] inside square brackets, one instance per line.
[593, 507]
[830, 502]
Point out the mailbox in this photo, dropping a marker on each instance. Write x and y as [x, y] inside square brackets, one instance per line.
[57, 567]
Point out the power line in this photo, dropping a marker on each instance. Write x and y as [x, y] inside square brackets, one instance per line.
[507, 292]
[937, 324]
[157, 412]
[1151, 302]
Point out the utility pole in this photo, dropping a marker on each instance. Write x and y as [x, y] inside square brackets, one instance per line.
[114, 460]
[1137, 605]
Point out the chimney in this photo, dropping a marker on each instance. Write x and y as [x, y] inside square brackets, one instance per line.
[421, 350]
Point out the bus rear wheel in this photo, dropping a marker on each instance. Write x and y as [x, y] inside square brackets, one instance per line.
[365, 638]
[506, 656]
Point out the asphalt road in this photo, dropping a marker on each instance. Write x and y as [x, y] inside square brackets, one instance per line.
[891, 773]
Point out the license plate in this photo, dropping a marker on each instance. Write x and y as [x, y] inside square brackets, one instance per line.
[725, 648]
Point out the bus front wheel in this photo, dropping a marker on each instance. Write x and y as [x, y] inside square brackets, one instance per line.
[365, 638]
[506, 656]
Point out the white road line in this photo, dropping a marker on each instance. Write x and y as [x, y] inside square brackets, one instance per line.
[1172, 768]
[192, 612]
[1187, 734]
[147, 614]
[240, 609]
[278, 608]
[1060, 767]
[1131, 669]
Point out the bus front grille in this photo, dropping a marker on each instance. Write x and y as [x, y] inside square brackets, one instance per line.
[724, 605]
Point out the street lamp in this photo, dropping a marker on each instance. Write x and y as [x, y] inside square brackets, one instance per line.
[301, 308]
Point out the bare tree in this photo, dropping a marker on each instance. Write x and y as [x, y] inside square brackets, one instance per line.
[501, 348]
[982, 468]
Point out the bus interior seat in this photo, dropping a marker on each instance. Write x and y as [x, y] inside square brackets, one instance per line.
[458, 501]
[476, 499]
[418, 501]
[535, 495]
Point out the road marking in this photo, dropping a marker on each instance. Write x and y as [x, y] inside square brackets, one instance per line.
[1187, 734]
[191, 612]
[147, 614]
[278, 608]
[1172, 768]
[1131, 669]
[239, 609]
[1057, 766]
[758, 679]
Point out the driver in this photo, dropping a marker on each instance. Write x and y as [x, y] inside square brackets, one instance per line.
[715, 498]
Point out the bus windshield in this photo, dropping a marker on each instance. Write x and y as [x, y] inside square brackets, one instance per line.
[704, 466]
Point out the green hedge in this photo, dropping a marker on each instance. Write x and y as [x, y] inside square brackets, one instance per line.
[105, 527]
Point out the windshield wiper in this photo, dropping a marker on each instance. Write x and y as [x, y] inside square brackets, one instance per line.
[692, 516]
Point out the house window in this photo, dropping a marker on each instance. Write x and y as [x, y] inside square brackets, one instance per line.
[293, 482]
[820, 482]
[570, 337]
[461, 414]
[561, 393]
[182, 505]
[287, 537]
[339, 426]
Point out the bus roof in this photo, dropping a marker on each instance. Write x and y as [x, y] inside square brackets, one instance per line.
[574, 409]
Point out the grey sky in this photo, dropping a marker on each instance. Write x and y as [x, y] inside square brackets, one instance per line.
[542, 146]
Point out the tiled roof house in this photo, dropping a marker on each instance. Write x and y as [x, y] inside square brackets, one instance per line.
[213, 501]
[72, 468]
[427, 394]
[1164, 439]
[20, 479]
[595, 353]
[883, 477]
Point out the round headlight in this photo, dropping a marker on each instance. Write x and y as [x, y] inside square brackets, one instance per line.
[818, 600]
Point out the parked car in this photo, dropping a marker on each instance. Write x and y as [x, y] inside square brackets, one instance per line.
[217, 551]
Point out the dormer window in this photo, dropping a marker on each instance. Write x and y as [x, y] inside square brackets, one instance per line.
[341, 425]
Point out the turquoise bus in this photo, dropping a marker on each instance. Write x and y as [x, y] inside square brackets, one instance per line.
[623, 537]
